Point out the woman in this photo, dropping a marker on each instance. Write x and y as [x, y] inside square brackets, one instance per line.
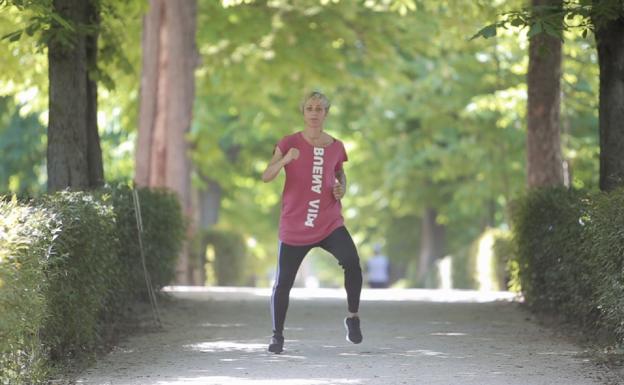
[311, 213]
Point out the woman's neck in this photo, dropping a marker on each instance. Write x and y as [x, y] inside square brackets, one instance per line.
[312, 132]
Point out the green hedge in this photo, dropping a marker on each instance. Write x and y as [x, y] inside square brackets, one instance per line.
[228, 257]
[570, 253]
[69, 265]
[163, 232]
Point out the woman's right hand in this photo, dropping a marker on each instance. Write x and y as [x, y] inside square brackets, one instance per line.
[291, 155]
[277, 162]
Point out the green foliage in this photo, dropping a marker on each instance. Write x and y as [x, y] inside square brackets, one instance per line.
[22, 145]
[485, 263]
[549, 236]
[464, 268]
[40, 20]
[505, 257]
[429, 118]
[23, 77]
[585, 16]
[570, 247]
[164, 229]
[403, 243]
[228, 256]
[605, 224]
[82, 273]
[444, 128]
[68, 268]
[26, 233]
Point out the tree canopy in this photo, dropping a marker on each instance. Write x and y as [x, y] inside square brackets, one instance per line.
[430, 118]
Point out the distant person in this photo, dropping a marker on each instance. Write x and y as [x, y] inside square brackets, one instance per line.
[378, 269]
[311, 213]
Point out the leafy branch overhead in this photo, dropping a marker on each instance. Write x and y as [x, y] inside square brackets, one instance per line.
[583, 15]
[40, 20]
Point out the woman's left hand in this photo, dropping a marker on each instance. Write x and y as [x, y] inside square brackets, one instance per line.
[339, 191]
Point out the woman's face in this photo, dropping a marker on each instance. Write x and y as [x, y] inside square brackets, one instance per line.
[314, 113]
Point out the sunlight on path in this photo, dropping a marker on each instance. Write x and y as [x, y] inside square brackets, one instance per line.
[219, 335]
[231, 293]
[245, 381]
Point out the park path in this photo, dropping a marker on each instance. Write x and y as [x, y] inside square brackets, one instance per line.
[219, 336]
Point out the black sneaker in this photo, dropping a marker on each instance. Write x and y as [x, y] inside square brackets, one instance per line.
[354, 334]
[277, 344]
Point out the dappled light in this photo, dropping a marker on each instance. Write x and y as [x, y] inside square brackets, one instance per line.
[211, 325]
[386, 295]
[203, 380]
[406, 341]
[485, 262]
[226, 346]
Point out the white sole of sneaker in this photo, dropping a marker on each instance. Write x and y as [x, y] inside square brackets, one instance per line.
[347, 329]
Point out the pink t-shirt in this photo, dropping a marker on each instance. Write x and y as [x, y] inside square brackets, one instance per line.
[310, 212]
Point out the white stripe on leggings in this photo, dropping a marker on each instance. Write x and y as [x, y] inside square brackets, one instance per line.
[277, 273]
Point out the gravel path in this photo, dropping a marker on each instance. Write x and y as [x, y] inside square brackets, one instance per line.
[219, 336]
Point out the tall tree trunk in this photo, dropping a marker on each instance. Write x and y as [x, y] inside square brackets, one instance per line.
[432, 244]
[209, 202]
[610, 44]
[74, 157]
[544, 162]
[94, 151]
[167, 93]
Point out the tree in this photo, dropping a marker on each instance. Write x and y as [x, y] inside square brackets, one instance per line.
[610, 45]
[544, 163]
[74, 154]
[69, 29]
[167, 95]
[605, 18]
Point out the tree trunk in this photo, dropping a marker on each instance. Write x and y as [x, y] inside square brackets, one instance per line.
[209, 204]
[94, 151]
[167, 94]
[432, 244]
[610, 44]
[544, 162]
[74, 157]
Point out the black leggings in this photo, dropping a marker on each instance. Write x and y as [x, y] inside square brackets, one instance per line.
[340, 244]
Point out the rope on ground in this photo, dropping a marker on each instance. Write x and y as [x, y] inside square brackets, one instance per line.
[148, 281]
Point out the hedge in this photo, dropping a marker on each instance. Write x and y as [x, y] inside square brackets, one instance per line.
[229, 255]
[571, 254]
[69, 266]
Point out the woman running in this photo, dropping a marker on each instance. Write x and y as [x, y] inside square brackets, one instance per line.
[311, 213]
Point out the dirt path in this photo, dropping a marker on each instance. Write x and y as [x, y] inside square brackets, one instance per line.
[219, 336]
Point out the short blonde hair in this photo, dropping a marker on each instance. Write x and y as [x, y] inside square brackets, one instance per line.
[315, 95]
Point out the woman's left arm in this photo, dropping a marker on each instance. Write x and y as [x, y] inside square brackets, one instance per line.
[341, 187]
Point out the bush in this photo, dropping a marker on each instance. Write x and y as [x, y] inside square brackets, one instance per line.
[25, 234]
[506, 268]
[463, 267]
[605, 267]
[550, 238]
[571, 254]
[69, 267]
[229, 255]
[81, 273]
[493, 244]
[163, 232]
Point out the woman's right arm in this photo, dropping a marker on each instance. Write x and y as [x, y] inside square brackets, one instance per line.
[277, 162]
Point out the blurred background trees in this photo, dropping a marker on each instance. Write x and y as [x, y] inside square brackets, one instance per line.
[435, 124]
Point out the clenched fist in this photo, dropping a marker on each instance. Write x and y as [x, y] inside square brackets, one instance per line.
[339, 191]
[291, 155]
